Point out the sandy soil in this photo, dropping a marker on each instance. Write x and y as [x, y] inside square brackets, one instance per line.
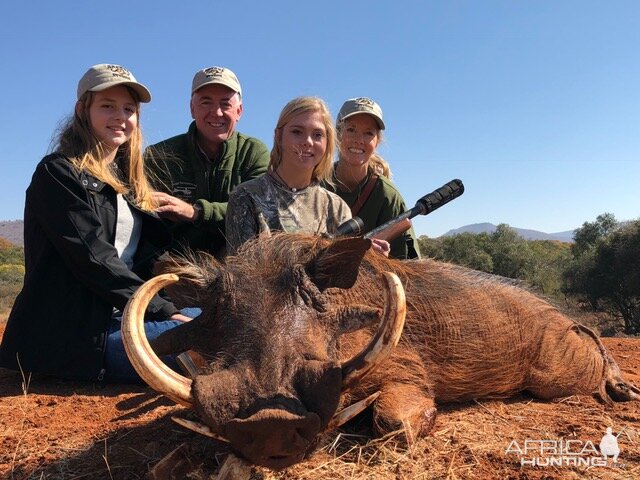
[54, 429]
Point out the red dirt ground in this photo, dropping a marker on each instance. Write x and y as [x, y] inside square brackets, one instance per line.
[54, 429]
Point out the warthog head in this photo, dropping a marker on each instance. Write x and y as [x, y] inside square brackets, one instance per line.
[270, 331]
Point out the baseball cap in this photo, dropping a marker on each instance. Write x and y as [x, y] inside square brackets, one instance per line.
[105, 75]
[219, 75]
[358, 105]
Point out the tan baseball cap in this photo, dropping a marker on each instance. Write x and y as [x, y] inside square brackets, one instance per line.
[358, 105]
[105, 75]
[219, 75]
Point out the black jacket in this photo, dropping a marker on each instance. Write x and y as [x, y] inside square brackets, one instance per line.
[73, 276]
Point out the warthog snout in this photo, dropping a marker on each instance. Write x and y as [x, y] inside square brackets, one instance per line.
[274, 438]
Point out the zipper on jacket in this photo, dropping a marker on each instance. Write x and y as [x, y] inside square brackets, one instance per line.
[101, 375]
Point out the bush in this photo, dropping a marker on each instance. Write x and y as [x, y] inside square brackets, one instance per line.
[11, 279]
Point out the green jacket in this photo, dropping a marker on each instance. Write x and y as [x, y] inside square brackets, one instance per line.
[179, 168]
[383, 204]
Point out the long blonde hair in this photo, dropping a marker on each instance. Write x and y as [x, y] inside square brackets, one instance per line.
[78, 142]
[379, 166]
[324, 170]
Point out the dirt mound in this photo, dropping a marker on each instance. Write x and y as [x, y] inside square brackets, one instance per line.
[54, 429]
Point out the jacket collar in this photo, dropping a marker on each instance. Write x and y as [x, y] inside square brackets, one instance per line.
[91, 183]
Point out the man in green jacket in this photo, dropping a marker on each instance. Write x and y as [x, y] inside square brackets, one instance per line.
[195, 172]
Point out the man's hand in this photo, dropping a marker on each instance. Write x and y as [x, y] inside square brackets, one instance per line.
[174, 209]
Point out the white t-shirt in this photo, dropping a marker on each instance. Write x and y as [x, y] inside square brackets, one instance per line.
[128, 226]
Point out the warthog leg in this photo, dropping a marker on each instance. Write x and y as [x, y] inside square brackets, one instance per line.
[404, 407]
[613, 386]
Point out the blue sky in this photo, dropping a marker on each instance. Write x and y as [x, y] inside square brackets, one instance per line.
[534, 105]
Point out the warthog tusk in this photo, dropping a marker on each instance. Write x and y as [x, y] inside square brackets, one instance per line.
[385, 339]
[152, 370]
[351, 411]
[200, 428]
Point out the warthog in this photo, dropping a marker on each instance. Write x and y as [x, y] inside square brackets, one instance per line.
[287, 329]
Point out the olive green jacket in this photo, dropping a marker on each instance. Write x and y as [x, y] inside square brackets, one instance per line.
[383, 204]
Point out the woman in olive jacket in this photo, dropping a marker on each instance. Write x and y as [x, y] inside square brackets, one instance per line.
[90, 237]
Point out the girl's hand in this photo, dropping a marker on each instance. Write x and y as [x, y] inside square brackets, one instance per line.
[180, 317]
[381, 246]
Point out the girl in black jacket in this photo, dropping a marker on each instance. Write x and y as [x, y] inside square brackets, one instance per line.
[90, 236]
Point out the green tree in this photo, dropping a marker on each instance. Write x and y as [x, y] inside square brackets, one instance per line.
[431, 247]
[510, 253]
[580, 277]
[548, 261]
[505, 253]
[605, 269]
[11, 278]
[615, 275]
[587, 237]
[10, 254]
[467, 249]
[11, 273]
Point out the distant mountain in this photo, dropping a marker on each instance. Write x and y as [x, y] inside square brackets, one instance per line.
[523, 232]
[12, 230]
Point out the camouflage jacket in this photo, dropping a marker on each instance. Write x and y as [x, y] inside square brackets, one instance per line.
[263, 203]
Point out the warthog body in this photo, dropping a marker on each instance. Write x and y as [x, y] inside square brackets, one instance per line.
[280, 317]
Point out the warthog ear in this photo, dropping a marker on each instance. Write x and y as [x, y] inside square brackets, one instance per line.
[197, 272]
[337, 264]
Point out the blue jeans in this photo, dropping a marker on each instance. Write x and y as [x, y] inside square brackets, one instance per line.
[117, 365]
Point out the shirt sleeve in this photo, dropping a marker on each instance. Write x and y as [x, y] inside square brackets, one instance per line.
[60, 203]
[241, 222]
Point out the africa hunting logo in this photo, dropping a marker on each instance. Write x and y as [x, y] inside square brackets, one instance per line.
[118, 71]
[567, 453]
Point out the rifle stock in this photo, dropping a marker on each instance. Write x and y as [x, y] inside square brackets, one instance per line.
[393, 231]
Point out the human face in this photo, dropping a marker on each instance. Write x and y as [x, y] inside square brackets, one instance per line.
[113, 116]
[216, 110]
[303, 143]
[358, 139]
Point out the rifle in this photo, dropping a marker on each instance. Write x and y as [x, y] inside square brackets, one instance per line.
[394, 227]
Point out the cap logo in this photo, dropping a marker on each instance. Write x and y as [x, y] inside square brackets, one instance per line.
[213, 72]
[118, 71]
[364, 101]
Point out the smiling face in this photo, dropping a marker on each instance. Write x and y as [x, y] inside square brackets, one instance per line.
[113, 116]
[358, 139]
[303, 142]
[216, 110]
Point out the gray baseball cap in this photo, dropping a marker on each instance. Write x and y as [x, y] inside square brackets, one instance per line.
[219, 75]
[358, 105]
[105, 75]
